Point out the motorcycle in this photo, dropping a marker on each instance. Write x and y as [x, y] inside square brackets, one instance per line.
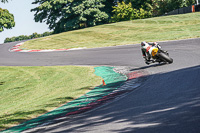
[159, 55]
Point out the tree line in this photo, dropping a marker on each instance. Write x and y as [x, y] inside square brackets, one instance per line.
[66, 15]
[25, 37]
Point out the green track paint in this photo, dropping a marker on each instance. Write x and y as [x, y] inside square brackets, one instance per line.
[101, 93]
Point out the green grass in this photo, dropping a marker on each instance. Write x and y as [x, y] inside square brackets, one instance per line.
[27, 92]
[128, 32]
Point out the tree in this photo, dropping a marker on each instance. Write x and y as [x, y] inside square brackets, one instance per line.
[4, 1]
[6, 18]
[190, 2]
[65, 15]
[109, 4]
[137, 4]
[7, 40]
[122, 12]
[35, 35]
[46, 34]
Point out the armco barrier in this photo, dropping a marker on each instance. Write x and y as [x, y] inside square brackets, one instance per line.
[189, 9]
[197, 8]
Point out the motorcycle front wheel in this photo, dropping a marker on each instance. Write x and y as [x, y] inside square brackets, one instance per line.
[165, 58]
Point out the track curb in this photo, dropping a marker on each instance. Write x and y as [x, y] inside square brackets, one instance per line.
[17, 49]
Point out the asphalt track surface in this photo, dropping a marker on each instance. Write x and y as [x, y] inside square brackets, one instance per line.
[168, 101]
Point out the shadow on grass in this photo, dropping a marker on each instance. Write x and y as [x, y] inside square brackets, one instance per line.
[16, 88]
[87, 88]
[73, 105]
[63, 99]
[1, 83]
[18, 117]
[57, 102]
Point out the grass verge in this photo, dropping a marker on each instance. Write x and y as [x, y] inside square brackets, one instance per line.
[129, 32]
[27, 92]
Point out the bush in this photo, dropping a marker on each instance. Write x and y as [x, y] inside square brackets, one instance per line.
[144, 14]
[123, 12]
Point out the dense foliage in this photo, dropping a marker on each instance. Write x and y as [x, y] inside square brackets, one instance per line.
[159, 7]
[4, 1]
[6, 18]
[124, 12]
[65, 15]
[25, 37]
[138, 9]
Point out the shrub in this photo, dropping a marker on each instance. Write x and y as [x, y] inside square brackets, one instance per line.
[123, 12]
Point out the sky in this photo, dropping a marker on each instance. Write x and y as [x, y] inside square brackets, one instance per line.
[24, 19]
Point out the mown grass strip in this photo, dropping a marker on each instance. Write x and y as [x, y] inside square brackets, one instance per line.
[129, 32]
[27, 92]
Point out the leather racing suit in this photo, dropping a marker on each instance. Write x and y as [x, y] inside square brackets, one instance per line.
[147, 50]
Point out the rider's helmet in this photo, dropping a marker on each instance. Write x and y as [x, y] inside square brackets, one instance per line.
[143, 43]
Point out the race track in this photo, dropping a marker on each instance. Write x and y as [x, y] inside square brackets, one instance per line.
[168, 101]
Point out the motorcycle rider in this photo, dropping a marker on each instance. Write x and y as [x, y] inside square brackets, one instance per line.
[147, 49]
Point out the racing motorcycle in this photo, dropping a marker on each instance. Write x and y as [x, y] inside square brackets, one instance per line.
[159, 55]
